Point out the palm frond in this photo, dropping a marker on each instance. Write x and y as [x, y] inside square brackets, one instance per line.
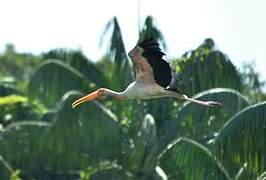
[187, 159]
[201, 123]
[82, 137]
[52, 79]
[116, 51]
[77, 60]
[142, 158]
[243, 140]
[149, 30]
[205, 68]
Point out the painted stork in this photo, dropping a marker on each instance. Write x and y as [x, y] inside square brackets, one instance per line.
[154, 78]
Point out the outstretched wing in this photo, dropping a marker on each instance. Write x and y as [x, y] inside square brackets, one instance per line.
[162, 72]
[144, 71]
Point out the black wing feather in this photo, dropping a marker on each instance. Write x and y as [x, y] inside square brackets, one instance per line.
[162, 71]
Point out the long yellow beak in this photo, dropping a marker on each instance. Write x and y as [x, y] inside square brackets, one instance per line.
[89, 97]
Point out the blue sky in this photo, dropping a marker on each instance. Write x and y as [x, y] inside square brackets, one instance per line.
[237, 26]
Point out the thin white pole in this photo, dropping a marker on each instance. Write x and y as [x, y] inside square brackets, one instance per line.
[139, 17]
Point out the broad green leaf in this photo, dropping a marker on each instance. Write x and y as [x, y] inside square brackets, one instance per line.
[243, 140]
[83, 136]
[187, 159]
[52, 79]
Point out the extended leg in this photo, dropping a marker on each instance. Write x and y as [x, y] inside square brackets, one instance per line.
[205, 103]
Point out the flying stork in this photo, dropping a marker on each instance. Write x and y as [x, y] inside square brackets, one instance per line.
[154, 78]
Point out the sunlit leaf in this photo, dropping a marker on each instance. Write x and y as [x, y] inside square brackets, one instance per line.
[12, 99]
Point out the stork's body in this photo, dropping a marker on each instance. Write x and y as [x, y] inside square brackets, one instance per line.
[154, 78]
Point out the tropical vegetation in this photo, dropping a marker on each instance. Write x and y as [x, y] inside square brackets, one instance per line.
[42, 137]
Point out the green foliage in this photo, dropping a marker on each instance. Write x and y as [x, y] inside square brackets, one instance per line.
[201, 123]
[206, 68]
[8, 90]
[20, 147]
[149, 30]
[18, 108]
[15, 175]
[242, 141]
[253, 85]
[155, 139]
[116, 52]
[17, 65]
[76, 137]
[52, 79]
[78, 61]
[187, 159]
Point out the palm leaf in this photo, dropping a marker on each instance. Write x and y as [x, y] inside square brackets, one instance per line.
[83, 137]
[142, 156]
[200, 122]
[187, 159]
[77, 60]
[52, 79]
[205, 68]
[116, 51]
[149, 30]
[242, 140]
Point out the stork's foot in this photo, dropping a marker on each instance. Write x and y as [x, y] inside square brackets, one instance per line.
[213, 103]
